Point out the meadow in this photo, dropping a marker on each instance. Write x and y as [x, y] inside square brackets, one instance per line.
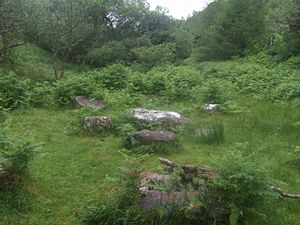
[72, 171]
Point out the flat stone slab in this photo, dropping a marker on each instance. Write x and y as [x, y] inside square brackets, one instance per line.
[169, 117]
[89, 103]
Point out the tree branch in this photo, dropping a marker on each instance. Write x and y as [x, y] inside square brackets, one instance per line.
[284, 194]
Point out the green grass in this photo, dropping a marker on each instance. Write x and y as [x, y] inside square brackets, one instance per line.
[70, 170]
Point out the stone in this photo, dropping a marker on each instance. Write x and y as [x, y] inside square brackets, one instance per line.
[148, 179]
[149, 137]
[96, 124]
[89, 103]
[168, 117]
[211, 107]
[152, 199]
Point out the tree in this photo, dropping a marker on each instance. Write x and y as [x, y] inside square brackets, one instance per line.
[229, 28]
[12, 22]
[292, 36]
[62, 26]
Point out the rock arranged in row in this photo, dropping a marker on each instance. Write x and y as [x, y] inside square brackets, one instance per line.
[170, 118]
[96, 124]
[149, 137]
[152, 197]
[211, 107]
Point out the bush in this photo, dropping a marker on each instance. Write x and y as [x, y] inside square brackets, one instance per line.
[14, 91]
[113, 77]
[212, 91]
[109, 53]
[14, 158]
[242, 185]
[180, 82]
[71, 86]
[2, 115]
[124, 209]
[155, 55]
[42, 95]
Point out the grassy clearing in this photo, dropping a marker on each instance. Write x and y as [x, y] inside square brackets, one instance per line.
[71, 170]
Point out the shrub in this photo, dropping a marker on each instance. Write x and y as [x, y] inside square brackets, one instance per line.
[113, 77]
[124, 209]
[14, 91]
[242, 185]
[42, 95]
[155, 55]
[14, 158]
[111, 52]
[180, 82]
[155, 83]
[2, 115]
[71, 86]
[212, 91]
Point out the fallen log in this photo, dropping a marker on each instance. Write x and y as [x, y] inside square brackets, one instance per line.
[186, 167]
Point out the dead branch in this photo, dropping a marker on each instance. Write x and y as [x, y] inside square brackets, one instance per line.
[284, 194]
[168, 163]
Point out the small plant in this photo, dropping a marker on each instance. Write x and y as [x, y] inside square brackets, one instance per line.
[213, 135]
[14, 91]
[42, 95]
[71, 86]
[113, 77]
[242, 184]
[14, 158]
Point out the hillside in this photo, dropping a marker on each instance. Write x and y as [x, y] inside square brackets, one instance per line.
[72, 169]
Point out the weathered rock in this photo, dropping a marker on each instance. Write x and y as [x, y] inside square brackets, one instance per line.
[168, 117]
[149, 137]
[211, 107]
[200, 132]
[148, 179]
[90, 103]
[151, 200]
[97, 123]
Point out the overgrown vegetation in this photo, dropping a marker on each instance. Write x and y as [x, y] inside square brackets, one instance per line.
[128, 56]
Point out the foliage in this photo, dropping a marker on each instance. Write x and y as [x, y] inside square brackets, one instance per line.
[14, 91]
[42, 95]
[109, 53]
[14, 158]
[215, 135]
[242, 185]
[68, 88]
[229, 28]
[155, 55]
[113, 77]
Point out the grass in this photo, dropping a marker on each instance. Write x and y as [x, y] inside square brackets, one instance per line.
[71, 170]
